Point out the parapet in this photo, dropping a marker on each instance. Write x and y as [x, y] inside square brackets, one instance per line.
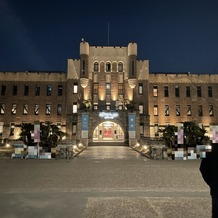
[84, 48]
[132, 49]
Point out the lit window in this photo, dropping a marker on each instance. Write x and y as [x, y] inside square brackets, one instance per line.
[75, 88]
[211, 113]
[155, 91]
[141, 109]
[14, 109]
[75, 107]
[74, 127]
[140, 88]
[189, 110]
[2, 109]
[59, 109]
[141, 129]
[155, 110]
[25, 109]
[108, 106]
[48, 90]
[177, 110]
[108, 88]
[166, 111]
[48, 109]
[36, 109]
[1, 128]
[156, 129]
[95, 106]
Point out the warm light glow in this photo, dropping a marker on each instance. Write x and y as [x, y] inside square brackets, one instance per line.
[84, 82]
[7, 145]
[102, 96]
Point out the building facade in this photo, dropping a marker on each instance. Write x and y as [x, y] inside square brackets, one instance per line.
[106, 96]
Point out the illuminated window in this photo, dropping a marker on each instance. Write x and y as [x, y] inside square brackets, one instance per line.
[140, 89]
[108, 88]
[211, 113]
[25, 109]
[156, 129]
[189, 110]
[166, 111]
[48, 90]
[36, 109]
[75, 88]
[141, 129]
[95, 106]
[166, 91]
[155, 110]
[2, 109]
[75, 107]
[48, 109]
[74, 127]
[14, 109]
[177, 110]
[155, 91]
[141, 108]
[108, 106]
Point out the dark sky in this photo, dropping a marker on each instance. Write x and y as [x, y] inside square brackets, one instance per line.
[174, 35]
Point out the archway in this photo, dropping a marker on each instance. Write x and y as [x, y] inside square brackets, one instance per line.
[108, 131]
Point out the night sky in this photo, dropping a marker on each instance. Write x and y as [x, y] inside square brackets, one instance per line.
[175, 36]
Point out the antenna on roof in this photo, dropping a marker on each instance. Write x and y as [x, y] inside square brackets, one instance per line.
[108, 33]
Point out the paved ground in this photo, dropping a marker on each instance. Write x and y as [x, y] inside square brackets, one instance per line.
[103, 182]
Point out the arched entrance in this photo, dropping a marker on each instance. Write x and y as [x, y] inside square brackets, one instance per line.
[108, 131]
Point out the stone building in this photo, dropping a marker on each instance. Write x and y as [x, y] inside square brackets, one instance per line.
[106, 96]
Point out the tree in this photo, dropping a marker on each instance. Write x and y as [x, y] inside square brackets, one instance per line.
[168, 135]
[26, 132]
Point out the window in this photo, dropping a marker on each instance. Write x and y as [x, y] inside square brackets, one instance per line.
[140, 88]
[14, 109]
[188, 91]
[177, 110]
[108, 67]
[166, 91]
[12, 126]
[155, 110]
[48, 109]
[96, 66]
[2, 109]
[108, 106]
[120, 67]
[1, 128]
[26, 90]
[156, 129]
[48, 90]
[199, 91]
[211, 113]
[25, 109]
[189, 110]
[96, 106]
[3, 92]
[59, 109]
[210, 91]
[141, 108]
[120, 88]
[75, 88]
[36, 109]
[60, 90]
[133, 67]
[200, 111]
[95, 88]
[75, 107]
[177, 91]
[37, 90]
[108, 88]
[141, 129]
[166, 111]
[155, 91]
[74, 127]
[14, 90]
[83, 67]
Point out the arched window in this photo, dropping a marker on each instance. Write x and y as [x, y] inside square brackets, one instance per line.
[96, 66]
[120, 67]
[108, 67]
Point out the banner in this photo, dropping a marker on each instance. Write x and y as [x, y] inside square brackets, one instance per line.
[85, 126]
[37, 131]
[132, 125]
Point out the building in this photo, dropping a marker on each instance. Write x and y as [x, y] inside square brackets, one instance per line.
[106, 96]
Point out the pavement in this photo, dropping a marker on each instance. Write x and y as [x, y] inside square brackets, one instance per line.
[101, 182]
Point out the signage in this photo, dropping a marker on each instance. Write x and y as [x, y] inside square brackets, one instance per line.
[108, 115]
[132, 125]
[36, 131]
[85, 126]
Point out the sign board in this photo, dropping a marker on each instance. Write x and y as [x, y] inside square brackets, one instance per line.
[132, 125]
[85, 126]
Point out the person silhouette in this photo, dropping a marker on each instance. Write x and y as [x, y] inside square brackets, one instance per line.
[209, 172]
